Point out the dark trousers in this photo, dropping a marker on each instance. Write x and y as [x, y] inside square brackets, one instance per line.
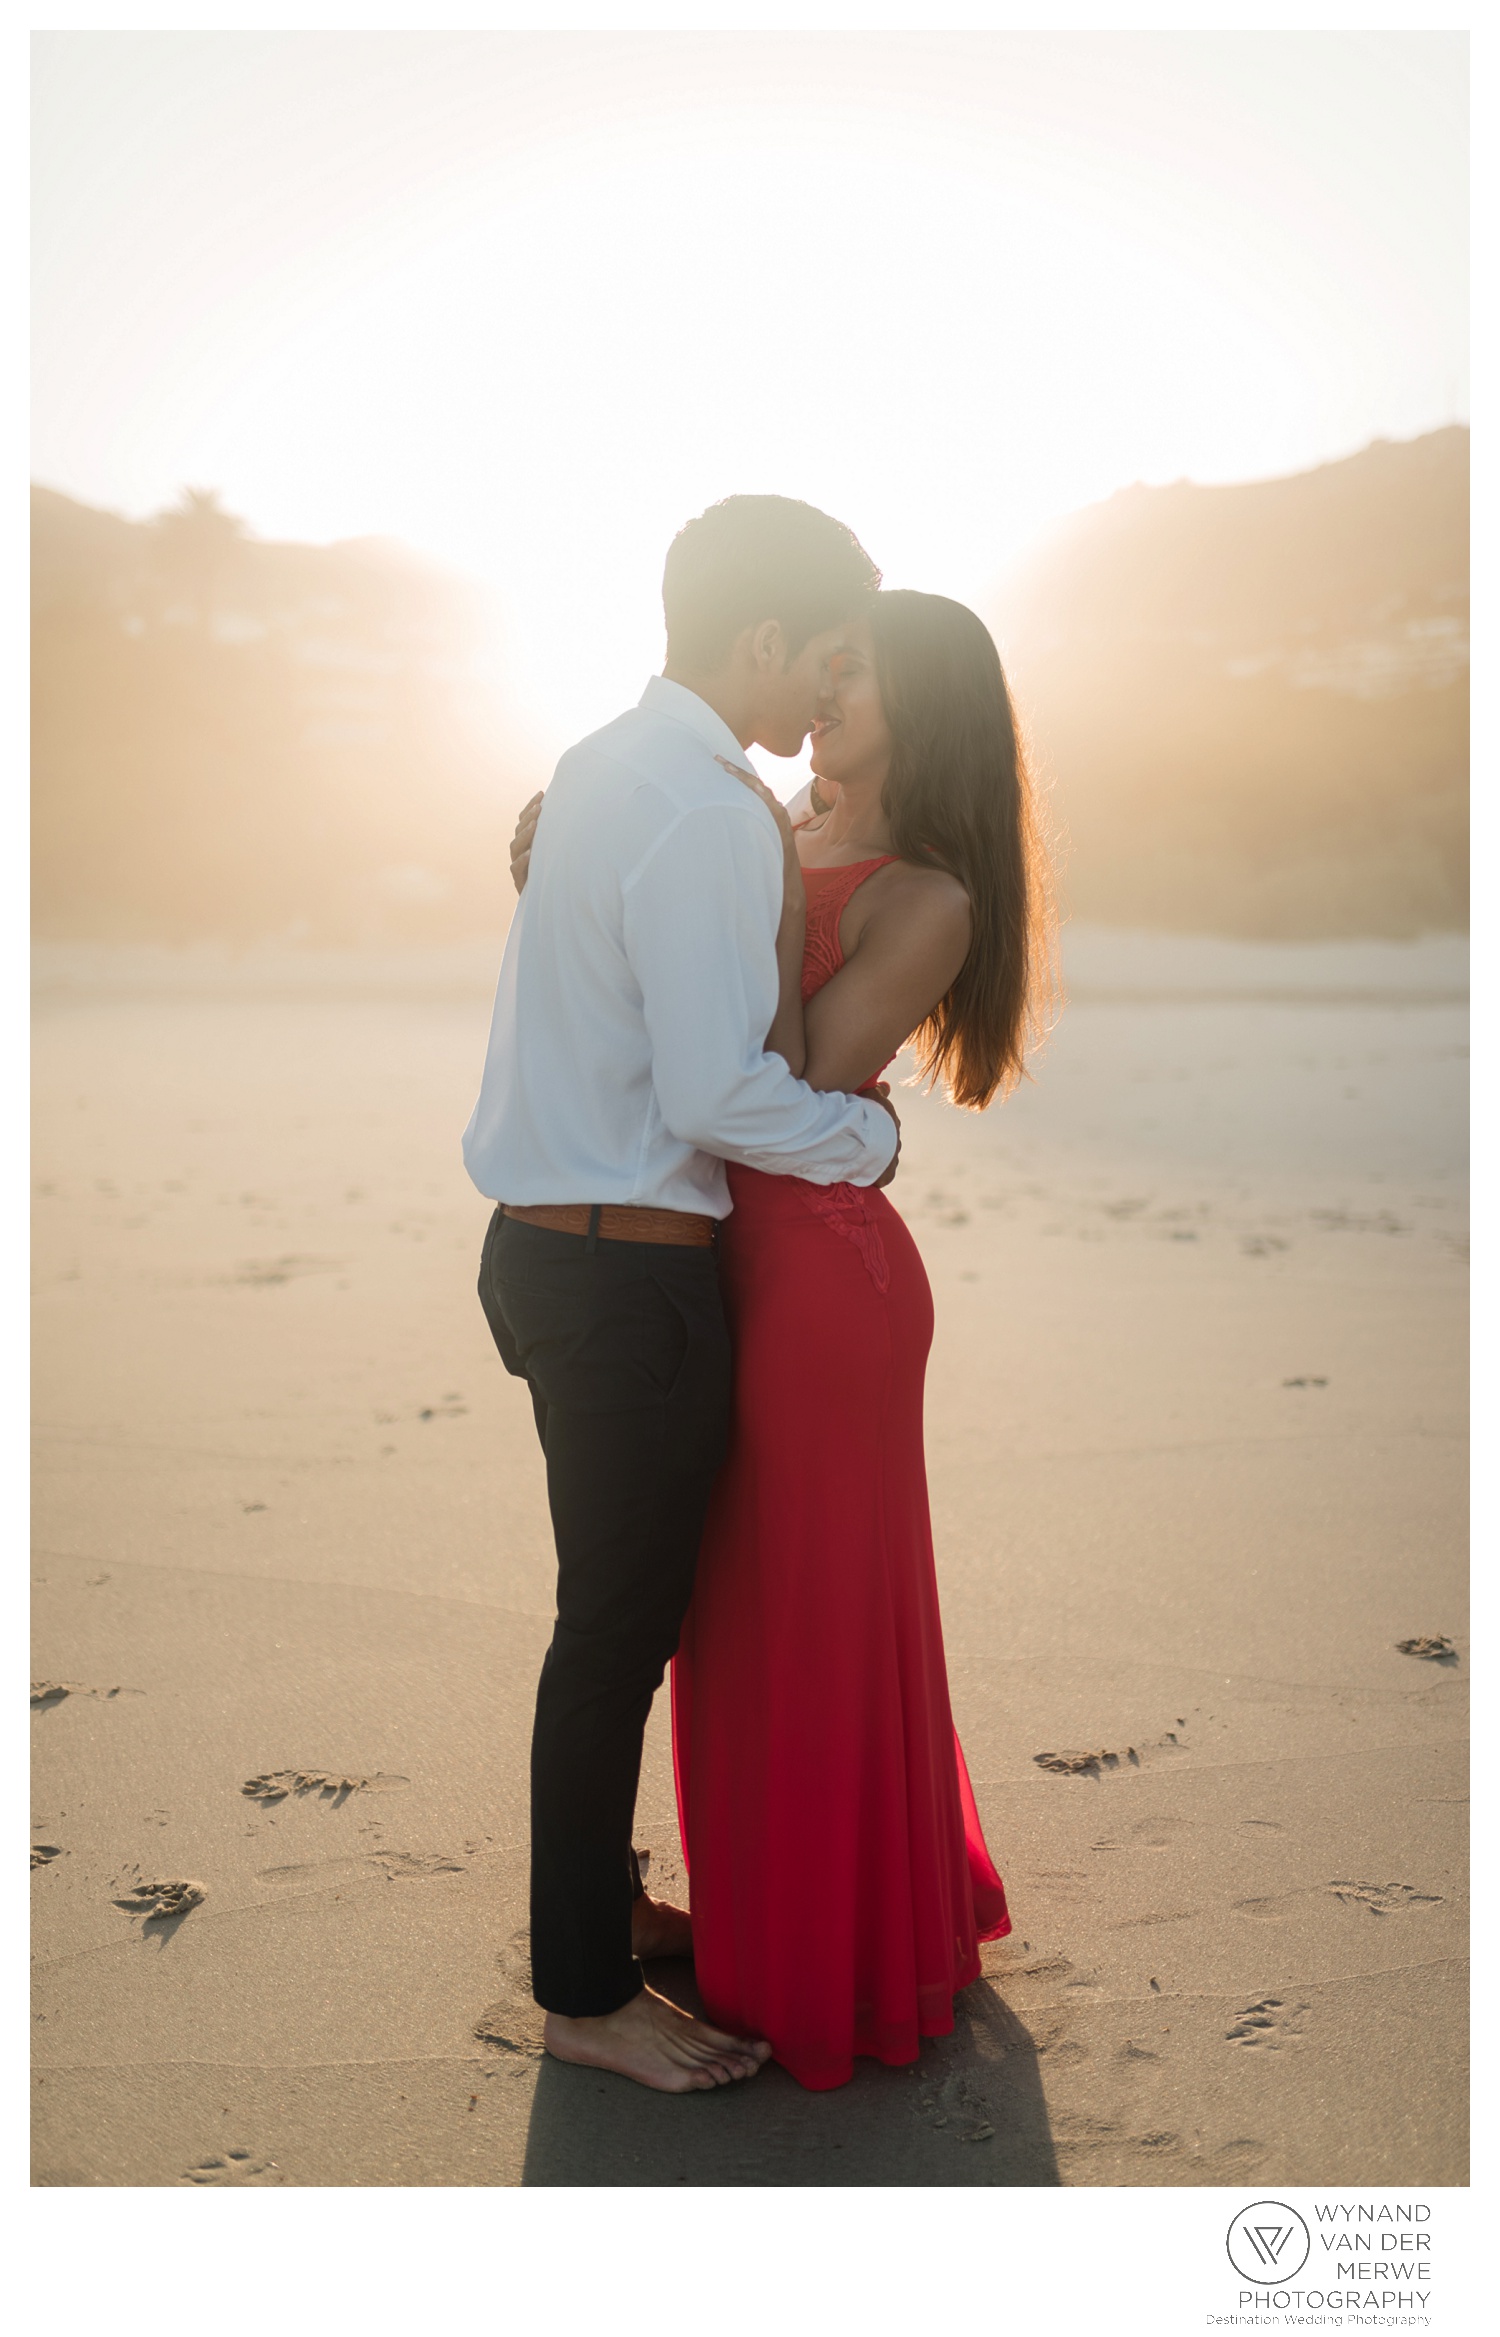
[625, 1350]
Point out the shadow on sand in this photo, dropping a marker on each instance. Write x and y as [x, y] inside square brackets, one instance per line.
[970, 2111]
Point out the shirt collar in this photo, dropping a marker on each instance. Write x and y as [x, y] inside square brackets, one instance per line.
[694, 713]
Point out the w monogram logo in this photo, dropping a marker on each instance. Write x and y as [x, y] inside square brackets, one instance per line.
[1268, 2241]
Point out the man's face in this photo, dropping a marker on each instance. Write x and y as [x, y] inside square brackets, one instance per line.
[792, 693]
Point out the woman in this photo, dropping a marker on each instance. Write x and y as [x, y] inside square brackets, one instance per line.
[840, 1882]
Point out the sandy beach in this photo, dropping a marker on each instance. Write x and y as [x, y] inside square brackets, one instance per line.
[1195, 1438]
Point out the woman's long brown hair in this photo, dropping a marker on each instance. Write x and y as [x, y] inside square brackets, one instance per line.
[959, 795]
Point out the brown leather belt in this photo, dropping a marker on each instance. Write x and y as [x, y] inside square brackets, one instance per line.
[618, 1222]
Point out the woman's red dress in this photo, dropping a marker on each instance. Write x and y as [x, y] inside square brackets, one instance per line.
[840, 1881]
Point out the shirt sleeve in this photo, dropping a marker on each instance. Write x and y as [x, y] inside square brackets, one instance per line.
[700, 917]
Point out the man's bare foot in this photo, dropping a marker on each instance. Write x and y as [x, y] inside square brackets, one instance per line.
[657, 1929]
[656, 2044]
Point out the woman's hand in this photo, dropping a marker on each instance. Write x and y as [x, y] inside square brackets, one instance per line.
[786, 1036]
[793, 891]
[521, 842]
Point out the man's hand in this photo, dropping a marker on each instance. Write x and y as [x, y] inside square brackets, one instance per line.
[521, 842]
[880, 1094]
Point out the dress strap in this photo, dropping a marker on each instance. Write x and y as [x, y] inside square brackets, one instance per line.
[841, 884]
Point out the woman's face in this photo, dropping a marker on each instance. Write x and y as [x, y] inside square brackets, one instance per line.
[850, 741]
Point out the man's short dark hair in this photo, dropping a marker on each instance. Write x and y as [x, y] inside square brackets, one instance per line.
[757, 556]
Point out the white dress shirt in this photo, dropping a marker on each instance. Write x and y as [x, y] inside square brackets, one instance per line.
[627, 1058]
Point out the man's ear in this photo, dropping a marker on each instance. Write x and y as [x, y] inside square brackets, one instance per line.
[768, 646]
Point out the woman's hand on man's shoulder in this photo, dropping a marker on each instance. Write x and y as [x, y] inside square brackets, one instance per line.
[791, 866]
[757, 786]
[521, 842]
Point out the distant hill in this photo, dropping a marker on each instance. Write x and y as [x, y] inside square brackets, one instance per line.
[1252, 701]
[235, 738]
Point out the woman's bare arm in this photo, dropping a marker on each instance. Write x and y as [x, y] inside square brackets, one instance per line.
[910, 951]
[787, 1035]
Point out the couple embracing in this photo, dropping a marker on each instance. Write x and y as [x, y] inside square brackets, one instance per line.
[722, 1321]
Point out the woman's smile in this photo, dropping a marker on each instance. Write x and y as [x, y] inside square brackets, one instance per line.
[850, 741]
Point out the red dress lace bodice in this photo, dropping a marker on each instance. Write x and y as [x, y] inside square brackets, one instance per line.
[829, 892]
[848, 1210]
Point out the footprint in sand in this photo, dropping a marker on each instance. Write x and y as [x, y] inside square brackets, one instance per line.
[1430, 1650]
[1049, 1965]
[45, 1693]
[266, 1273]
[1048, 2032]
[513, 2023]
[1070, 1883]
[1075, 2133]
[1266, 2026]
[955, 2103]
[1150, 1834]
[1086, 1764]
[508, 2026]
[394, 1865]
[43, 1853]
[162, 1902]
[1371, 1898]
[1384, 1898]
[1041, 1967]
[327, 1784]
[236, 2166]
[1160, 1833]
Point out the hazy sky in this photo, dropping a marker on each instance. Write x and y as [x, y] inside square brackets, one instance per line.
[529, 300]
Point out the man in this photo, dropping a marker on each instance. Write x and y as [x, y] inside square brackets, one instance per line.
[626, 1064]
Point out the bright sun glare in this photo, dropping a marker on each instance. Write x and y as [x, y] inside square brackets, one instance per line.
[527, 302]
